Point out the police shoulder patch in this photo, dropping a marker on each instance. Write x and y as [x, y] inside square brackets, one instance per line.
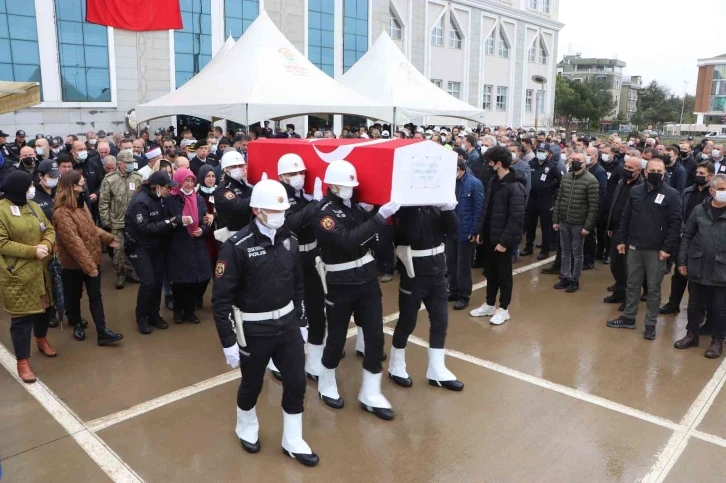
[219, 269]
[139, 218]
[327, 222]
[286, 244]
[229, 195]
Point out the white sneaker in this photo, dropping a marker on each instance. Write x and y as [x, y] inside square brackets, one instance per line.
[500, 316]
[483, 311]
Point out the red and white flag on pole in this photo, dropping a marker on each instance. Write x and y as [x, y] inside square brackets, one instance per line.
[138, 15]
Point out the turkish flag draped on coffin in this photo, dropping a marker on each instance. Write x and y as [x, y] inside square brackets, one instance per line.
[138, 15]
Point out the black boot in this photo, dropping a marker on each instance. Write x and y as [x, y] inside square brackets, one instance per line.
[562, 284]
[615, 298]
[192, 318]
[527, 251]
[108, 337]
[670, 308]
[543, 255]
[144, 326]
[553, 269]
[78, 333]
[690, 340]
[178, 318]
[120, 281]
[573, 286]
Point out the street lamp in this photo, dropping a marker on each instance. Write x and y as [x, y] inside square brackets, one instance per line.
[685, 83]
[538, 79]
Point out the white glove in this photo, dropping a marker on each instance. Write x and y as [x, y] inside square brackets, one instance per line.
[304, 332]
[389, 209]
[232, 356]
[449, 206]
[366, 206]
[318, 190]
[264, 175]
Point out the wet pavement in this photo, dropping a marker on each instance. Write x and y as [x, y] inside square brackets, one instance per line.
[553, 395]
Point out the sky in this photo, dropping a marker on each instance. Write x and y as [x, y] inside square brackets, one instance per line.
[658, 39]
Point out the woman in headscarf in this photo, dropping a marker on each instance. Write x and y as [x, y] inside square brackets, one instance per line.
[26, 241]
[187, 259]
[205, 188]
[79, 250]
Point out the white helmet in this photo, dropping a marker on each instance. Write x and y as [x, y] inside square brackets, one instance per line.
[290, 163]
[269, 194]
[232, 158]
[341, 173]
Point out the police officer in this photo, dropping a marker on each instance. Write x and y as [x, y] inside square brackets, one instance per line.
[232, 196]
[546, 179]
[298, 219]
[146, 228]
[48, 175]
[56, 147]
[345, 234]
[419, 240]
[269, 304]
[15, 147]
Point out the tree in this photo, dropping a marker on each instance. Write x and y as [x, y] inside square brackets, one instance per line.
[587, 101]
[657, 105]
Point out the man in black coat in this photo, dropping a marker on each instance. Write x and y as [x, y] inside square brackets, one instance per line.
[545, 181]
[613, 167]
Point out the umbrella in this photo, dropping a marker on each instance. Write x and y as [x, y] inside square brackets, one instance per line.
[55, 270]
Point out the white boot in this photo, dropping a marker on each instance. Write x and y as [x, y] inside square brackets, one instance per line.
[328, 388]
[247, 430]
[370, 396]
[313, 361]
[274, 370]
[397, 368]
[360, 345]
[293, 444]
[438, 374]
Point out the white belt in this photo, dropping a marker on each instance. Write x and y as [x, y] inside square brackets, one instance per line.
[275, 314]
[309, 246]
[428, 253]
[339, 267]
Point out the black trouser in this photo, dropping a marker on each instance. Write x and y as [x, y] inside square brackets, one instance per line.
[499, 276]
[148, 264]
[73, 281]
[314, 299]
[186, 296]
[431, 290]
[558, 257]
[458, 265]
[678, 288]
[287, 351]
[385, 257]
[702, 297]
[21, 327]
[618, 268]
[589, 248]
[364, 302]
[603, 240]
[539, 209]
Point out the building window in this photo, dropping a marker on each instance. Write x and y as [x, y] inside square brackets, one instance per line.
[577, 79]
[437, 34]
[394, 27]
[19, 53]
[193, 44]
[238, 15]
[487, 98]
[501, 98]
[83, 52]
[533, 4]
[436, 82]
[503, 45]
[355, 31]
[321, 35]
[454, 89]
[528, 100]
[489, 44]
[531, 54]
[541, 53]
[546, 6]
[540, 101]
[454, 37]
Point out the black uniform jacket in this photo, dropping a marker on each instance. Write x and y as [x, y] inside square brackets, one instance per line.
[232, 201]
[424, 228]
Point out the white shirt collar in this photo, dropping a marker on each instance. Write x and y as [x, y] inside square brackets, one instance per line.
[267, 231]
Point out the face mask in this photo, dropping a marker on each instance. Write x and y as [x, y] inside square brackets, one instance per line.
[654, 179]
[50, 182]
[39, 151]
[720, 196]
[188, 193]
[576, 165]
[56, 150]
[297, 182]
[158, 192]
[129, 167]
[684, 154]
[643, 163]
[515, 158]
[605, 158]
[627, 175]
[484, 149]
[28, 162]
[716, 153]
[213, 148]
[236, 174]
[93, 142]
[207, 190]
[190, 155]
[82, 156]
[630, 143]
[345, 192]
[274, 220]
[541, 156]
[700, 180]
[563, 157]
[704, 156]
[626, 158]
[587, 159]
[31, 193]
[68, 147]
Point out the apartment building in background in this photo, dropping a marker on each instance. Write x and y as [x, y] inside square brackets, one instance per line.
[484, 52]
[711, 91]
[629, 90]
[608, 71]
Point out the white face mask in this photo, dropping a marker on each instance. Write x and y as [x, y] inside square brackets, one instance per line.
[190, 155]
[297, 182]
[236, 173]
[187, 192]
[82, 155]
[213, 148]
[274, 220]
[587, 159]
[345, 192]
[56, 150]
[630, 143]
[207, 189]
[563, 157]
[643, 163]
[50, 182]
[716, 153]
[605, 158]
[626, 158]
[541, 156]
[720, 196]
[704, 156]
[92, 142]
[40, 151]
[158, 192]
[31, 193]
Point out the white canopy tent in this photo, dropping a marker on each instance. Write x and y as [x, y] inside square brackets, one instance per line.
[262, 77]
[386, 75]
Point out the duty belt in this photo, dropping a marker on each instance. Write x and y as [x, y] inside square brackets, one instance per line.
[430, 252]
[309, 247]
[274, 315]
[339, 267]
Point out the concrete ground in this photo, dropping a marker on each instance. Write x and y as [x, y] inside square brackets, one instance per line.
[551, 396]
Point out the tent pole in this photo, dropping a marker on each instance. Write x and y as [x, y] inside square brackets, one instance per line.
[247, 118]
[393, 126]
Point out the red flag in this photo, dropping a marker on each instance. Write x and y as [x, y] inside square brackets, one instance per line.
[135, 15]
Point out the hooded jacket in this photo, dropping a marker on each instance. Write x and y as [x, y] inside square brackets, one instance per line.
[503, 213]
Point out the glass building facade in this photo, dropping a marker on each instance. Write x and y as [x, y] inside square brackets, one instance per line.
[355, 31]
[193, 44]
[321, 35]
[238, 15]
[19, 53]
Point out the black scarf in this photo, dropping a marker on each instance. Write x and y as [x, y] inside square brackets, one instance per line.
[15, 186]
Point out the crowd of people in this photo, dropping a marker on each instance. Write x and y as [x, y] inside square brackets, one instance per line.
[292, 267]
